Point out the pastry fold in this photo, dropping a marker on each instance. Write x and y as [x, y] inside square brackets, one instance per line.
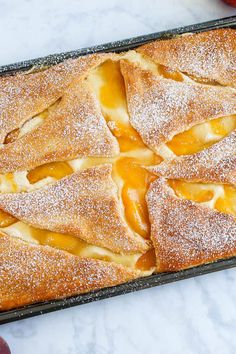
[75, 127]
[23, 96]
[208, 55]
[186, 234]
[31, 273]
[84, 204]
[160, 108]
[215, 164]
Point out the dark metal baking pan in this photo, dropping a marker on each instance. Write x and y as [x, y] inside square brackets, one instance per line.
[142, 283]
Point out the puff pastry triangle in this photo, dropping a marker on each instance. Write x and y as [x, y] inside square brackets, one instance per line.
[207, 55]
[32, 273]
[185, 233]
[84, 204]
[161, 108]
[23, 96]
[214, 164]
[74, 128]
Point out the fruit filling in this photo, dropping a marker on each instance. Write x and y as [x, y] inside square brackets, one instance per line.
[169, 73]
[112, 90]
[202, 135]
[223, 197]
[147, 260]
[227, 204]
[193, 191]
[6, 219]
[127, 137]
[56, 170]
[71, 244]
[136, 180]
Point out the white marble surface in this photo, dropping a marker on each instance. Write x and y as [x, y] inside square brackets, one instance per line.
[196, 316]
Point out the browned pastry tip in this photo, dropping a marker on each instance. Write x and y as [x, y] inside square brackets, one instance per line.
[84, 204]
[208, 55]
[31, 273]
[160, 108]
[74, 128]
[25, 95]
[186, 234]
[215, 164]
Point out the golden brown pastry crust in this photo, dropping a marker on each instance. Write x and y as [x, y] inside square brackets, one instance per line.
[185, 233]
[74, 128]
[215, 164]
[32, 273]
[23, 96]
[210, 55]
[84, 204]
[161, 108]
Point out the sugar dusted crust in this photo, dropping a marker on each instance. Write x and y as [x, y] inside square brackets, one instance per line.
[74, 128]
[31, 273]
[84, 204]
[210, 55]
[186, 234]
[23, 96]
[160, 108]
[214, 164]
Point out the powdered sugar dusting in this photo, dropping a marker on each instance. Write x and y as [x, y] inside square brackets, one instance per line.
[24, 95]
[186, 233]
[74, 128]
[214, 164]
[161, 108]
[210, 55]
[31, 273]
[83, 204]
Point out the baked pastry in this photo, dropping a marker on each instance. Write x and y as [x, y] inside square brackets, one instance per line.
[83, 144]
[32, 273]
[206, 56]
[214, 164]
[25, 95]
[185, 233]
[84, 204]
[160, 108]
[73, 128]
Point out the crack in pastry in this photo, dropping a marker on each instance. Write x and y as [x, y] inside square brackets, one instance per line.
[32, 273]
[83, 204]
[73, 245]
[207, 55]
[185, 233]
[161, 108]
[214, 164]
[216, 196]
[202, 136]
